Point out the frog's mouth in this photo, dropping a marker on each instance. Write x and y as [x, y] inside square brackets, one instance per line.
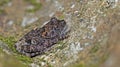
[19, 45]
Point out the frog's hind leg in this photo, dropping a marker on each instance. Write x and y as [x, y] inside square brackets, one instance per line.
[33, 48]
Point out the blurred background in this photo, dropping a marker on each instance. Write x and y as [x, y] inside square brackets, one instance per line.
[94, 37]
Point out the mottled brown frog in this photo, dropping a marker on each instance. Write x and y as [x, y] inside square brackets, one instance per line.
[39, 40]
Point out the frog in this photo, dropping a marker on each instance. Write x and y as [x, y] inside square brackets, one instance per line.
[38, 41]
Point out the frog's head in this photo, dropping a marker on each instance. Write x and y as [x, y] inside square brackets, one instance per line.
[19, 45]
[56, 23]
[60, 26]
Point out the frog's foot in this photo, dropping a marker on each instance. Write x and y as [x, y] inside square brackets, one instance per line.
[64, 33]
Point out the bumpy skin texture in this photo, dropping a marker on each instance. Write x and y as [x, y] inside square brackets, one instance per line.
[39, 40]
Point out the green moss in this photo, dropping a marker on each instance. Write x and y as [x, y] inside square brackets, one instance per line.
[11, 41]
[2, 2]
[0, 50]
[42, 59]
[94, 65]
[25, 59]
[1, 11]
[95, 48]
[104, 58]
[62, 17]
[36, 5]
[10, 61]
[61, 46]
[49, 65]
[79, 65]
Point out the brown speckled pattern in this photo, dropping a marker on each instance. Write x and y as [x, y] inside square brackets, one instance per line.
[39, 40]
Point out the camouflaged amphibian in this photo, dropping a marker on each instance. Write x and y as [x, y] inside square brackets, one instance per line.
[39, 40]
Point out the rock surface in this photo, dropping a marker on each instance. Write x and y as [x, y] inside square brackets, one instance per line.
[92, 24]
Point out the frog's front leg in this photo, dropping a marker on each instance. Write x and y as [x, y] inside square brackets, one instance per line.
[64, 33]
[63, 36]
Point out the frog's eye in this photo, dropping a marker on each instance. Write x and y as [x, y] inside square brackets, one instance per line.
[28, 41]
[33, 41]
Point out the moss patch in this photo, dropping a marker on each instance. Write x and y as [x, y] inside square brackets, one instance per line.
[62, 45]
[25, 59]
[11, 41]
[9, 60]
[95, 48]
[36, 5]
[2, 2]
[1, 11]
